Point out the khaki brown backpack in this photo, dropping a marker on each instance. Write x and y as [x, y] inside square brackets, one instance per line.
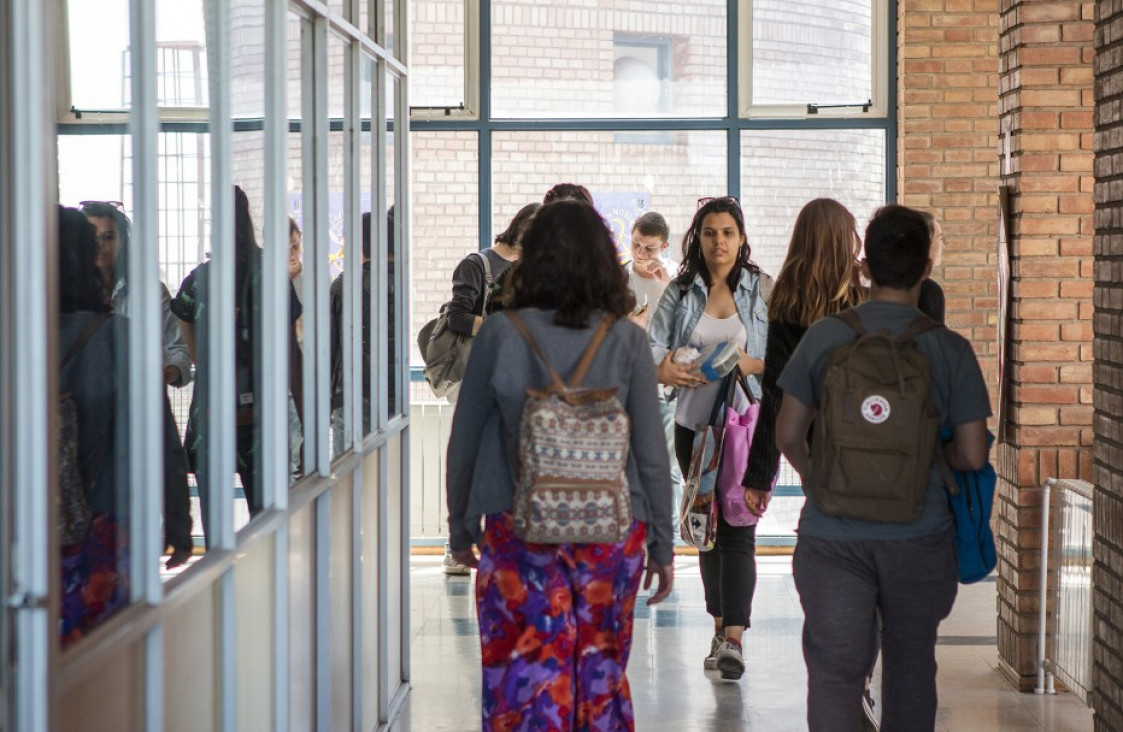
[874, 438]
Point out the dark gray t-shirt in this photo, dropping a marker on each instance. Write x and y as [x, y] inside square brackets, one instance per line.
[958, 392]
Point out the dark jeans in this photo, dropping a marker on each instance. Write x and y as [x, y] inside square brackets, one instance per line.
[843, 586]
[729, 569]
[246, 464]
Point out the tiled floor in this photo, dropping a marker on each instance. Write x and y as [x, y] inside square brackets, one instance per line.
[671, 692]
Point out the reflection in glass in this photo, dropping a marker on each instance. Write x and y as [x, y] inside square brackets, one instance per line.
[816, 51]
[93, 170]
[366, 198]
[299, 32]
[393, 249]
[99, 59]
[784, 169]
[92, 437]
[336, 253]
[640, 59]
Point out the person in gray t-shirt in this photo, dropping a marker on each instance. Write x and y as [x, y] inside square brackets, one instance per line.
[849, 572]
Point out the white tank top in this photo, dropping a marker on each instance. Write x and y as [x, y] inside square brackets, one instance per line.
[695, 405]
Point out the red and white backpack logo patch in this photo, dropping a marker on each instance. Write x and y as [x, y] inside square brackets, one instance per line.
[875, 409]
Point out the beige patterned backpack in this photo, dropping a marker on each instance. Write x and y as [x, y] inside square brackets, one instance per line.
[573, 448]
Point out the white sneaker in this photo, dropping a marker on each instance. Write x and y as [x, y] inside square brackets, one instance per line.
[453, 567]
[729, 660]
[711, 660]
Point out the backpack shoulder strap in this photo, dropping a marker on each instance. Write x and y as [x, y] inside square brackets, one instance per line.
[520, 327]
[80, 342]
[920, 324]
[851, 319]
[488, 279]
[590, 352]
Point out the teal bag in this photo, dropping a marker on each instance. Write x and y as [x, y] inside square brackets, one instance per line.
[971, 507]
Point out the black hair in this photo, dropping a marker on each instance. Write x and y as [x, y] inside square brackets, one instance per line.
[514, 231]
[104, 209]
[897, 247]
[569, 263]
[568, 191]
[366, 234]
[652, 224]
[693, 263]
[81, 283]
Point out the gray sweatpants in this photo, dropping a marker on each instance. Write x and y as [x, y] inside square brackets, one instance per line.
[843, 586]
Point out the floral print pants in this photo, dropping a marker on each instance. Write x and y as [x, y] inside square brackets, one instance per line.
[556, 630]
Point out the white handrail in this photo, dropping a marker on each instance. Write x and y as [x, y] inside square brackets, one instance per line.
[1044, 677]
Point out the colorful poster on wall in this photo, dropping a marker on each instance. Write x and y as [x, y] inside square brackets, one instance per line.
[620, 211]
[335, 225]
[1003, 330]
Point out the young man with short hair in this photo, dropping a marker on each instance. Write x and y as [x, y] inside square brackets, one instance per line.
[650, 270]
[649, 273]
[849, 571]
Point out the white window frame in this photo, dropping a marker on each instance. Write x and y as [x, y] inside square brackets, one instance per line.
[879, 68]
[471, 102]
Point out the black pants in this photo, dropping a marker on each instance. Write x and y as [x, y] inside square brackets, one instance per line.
[729, 569]
[177, 498]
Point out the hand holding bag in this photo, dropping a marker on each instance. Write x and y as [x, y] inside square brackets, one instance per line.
[736, 442]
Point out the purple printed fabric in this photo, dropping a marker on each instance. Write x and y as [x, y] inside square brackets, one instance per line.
[556, 630]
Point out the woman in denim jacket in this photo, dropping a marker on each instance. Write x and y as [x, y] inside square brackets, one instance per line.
[718, 295]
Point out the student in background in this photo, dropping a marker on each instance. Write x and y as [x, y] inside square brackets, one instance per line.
[718, 295]
[820, 277]
[931, 301]
[648, 276]
[114, 235]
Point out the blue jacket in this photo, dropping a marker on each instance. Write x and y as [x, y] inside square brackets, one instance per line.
[678, 314]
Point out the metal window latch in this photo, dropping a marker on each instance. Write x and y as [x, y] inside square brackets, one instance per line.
[814, 108]
[26, 601]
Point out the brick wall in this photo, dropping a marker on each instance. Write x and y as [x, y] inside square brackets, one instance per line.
[1107, 572]
[1045, 105]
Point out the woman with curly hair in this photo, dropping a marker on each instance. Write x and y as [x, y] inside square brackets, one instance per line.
[556, 619]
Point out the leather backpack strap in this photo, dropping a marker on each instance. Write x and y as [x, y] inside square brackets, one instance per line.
[590, 352]
[522, 330]
[920, 324]
[852, 321]
[80, 342]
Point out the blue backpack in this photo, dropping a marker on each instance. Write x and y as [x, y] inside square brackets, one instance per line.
[971, 507]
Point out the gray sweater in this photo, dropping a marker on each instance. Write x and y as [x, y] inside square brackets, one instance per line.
[484, 437]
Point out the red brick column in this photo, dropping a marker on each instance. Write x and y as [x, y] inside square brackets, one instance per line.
[947, 87]
[1045, 103]
[1107, 572]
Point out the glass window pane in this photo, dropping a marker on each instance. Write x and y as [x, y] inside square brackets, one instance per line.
[99, 66]
[247, 59]
[394, 286]
[299, 32]
[446, 218]
[366, 172]
[626, 179]
[817, 51]
[97, 168]
[784, 169]
[181, 50]
[567, 59]
[336, 261]
[389, 25]
[437, 53]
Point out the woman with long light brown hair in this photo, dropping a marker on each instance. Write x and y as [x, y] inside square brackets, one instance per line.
[819, 278]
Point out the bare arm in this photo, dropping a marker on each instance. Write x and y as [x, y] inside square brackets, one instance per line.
[791, 433]
[968, 447]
